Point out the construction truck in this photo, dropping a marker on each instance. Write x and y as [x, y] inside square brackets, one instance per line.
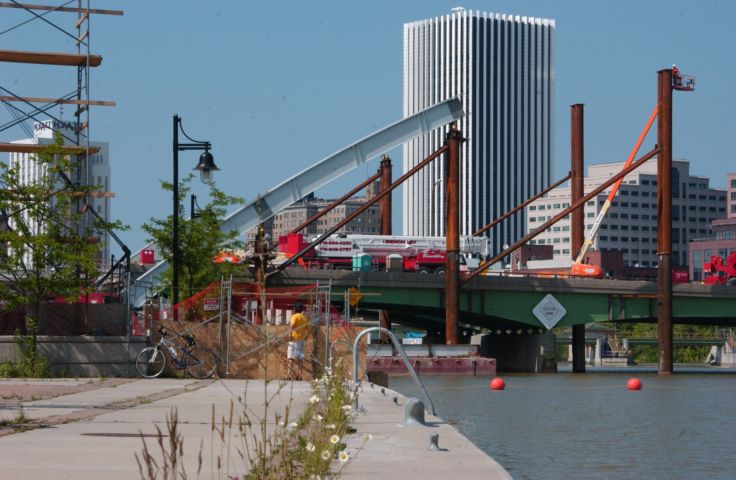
[717, 271]
[382, 252]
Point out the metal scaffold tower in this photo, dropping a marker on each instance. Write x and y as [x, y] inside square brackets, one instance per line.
[23, 108]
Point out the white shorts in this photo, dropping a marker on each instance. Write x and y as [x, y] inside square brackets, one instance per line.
[295, 350]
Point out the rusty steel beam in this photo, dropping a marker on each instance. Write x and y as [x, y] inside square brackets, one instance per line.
[664, 221]
[27, 6]
[337, 202]
[577, 218]
[98, 103]
[506, 215]
[384, 316]
[50, 58]
[452, 233]
[386, 204]
[36, 148]
[562, 214]
[362, 209]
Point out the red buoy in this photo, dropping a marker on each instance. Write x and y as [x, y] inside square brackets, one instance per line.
[498, 384]
[634, 384]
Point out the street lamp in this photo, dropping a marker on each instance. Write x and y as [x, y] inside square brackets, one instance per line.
[205, 166]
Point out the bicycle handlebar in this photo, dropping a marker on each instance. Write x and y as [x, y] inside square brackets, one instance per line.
[187, 338]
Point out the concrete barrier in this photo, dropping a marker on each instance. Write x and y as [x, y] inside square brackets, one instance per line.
[83, 356]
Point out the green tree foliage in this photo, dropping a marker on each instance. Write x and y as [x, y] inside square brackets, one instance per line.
[48, 244]
[200, 239]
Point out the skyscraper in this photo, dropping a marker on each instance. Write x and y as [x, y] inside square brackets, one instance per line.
[502, 68]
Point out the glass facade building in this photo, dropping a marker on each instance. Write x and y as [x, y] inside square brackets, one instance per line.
[502, 68]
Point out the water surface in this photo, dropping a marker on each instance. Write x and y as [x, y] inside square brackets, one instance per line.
[589, 426]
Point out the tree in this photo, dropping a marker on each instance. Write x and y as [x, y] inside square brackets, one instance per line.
[200, 240]
[48, 246]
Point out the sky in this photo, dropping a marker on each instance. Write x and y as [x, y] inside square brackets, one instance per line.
[277, 86]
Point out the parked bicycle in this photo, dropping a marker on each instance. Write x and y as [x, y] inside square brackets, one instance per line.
[198, 362]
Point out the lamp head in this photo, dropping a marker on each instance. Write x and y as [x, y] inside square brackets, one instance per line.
[206, 165]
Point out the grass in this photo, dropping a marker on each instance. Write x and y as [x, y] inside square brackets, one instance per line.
[279, 447]
[18, 420]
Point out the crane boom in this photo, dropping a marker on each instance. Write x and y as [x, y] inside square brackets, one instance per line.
[602, 214]
[319, 174]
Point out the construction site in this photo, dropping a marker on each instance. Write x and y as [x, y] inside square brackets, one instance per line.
[442, 286]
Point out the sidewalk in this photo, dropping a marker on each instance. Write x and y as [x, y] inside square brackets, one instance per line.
[94, 432]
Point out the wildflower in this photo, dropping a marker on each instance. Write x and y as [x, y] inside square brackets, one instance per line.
[334, 439]
[319, 417]
[347, 408]
[310, 447]
[344, 456]
[325, 454]
[330, 426]
[293, 425]
[281, 423]
[315, 477]
[313, 399]
[367, 437]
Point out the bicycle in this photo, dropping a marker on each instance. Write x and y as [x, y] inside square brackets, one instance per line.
[198, 362]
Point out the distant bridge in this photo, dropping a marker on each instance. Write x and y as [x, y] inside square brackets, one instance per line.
[507, 302]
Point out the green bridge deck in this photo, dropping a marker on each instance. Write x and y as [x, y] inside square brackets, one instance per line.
[507, 302]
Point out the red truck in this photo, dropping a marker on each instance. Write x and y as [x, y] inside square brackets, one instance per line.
[418, 254]
[720, 272]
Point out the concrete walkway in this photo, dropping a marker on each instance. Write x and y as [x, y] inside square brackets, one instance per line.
[94, 432]
[383, 448]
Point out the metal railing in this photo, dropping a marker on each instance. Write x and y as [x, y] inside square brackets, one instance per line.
[400, 349]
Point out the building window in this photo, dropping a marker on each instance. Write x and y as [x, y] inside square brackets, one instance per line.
[533, 207]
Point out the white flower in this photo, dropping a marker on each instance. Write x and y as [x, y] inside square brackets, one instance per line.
[310, 447]
[281, 423]
[367, 437]
[293, 425]
[315, 477]
[319, 417]
[347, 408]
[330, 426]
[344, 456]
[325, 454]
[313, 399]
[334, 439]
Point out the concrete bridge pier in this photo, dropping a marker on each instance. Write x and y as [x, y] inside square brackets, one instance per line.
[519, 353]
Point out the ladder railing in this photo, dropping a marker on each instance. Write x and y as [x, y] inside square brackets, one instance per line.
[402, 353]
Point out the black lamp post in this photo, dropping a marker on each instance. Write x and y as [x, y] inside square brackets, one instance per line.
[205, 166]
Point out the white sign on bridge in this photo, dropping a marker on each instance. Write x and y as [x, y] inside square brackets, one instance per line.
[549, 311]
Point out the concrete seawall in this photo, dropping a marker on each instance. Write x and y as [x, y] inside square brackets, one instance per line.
[383, 448]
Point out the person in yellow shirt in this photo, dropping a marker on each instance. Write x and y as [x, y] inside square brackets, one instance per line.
[299, 328]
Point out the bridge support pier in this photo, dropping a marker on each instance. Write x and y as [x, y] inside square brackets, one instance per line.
[664, 226]
[452, 226]
[577, 230]
[384, 316]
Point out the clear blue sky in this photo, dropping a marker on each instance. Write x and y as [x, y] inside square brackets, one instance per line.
[277, 86]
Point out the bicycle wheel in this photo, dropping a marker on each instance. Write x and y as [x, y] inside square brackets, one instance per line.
[200, 362]
[150, 362]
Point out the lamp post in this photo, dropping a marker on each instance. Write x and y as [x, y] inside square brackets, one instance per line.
[205, 166]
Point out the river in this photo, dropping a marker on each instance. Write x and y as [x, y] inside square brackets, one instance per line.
[589, 426]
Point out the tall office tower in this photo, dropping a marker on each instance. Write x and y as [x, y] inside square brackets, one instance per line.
[97, 173]
[502, 68]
